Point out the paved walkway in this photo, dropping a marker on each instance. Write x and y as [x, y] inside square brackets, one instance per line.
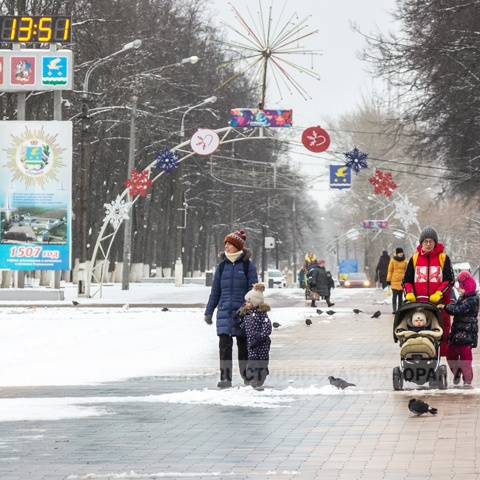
[365, 432]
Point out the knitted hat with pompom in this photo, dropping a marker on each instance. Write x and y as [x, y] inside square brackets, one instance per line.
[237, 239]
[255, 295]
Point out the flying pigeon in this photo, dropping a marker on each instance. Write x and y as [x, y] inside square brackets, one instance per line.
[276, 325]
[418, 407]
[330, 312]
[319, 311]
[376, 314]
[356, 311]
[308, 321]
[340, 383]
[165, 309]
[75, 303]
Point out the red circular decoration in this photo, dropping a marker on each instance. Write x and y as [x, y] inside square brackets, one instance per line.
[315, 139]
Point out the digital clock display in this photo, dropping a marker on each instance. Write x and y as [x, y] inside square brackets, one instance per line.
[35, 29]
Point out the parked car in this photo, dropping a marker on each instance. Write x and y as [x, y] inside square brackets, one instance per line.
[278, 278]
[356, 280]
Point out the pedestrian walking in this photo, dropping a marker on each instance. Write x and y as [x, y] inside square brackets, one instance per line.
[396, 271]
[319, 283]
[254, 319]
[233, 278]
[429, 277]
[381, 270]
[464, 332]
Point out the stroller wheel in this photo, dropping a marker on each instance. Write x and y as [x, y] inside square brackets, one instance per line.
[397, 379]
[442, 381]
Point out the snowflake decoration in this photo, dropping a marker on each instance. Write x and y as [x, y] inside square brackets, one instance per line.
[138, 183]
[117, 212]
[383, 183]
[406, 212]
[356, 160]
[167, 160]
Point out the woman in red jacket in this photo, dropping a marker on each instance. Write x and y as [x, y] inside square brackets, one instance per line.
[429, 277]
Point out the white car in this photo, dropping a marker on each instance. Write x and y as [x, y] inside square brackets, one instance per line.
[278, 278]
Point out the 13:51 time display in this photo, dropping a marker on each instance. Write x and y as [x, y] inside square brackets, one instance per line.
[35, 29]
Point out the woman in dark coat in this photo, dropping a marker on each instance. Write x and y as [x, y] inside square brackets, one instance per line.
[381, 271]
[319, 283]
[234, 277]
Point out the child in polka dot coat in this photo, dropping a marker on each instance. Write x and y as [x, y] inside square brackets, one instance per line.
[254, 319]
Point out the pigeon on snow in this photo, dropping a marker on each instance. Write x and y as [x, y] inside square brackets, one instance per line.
[319, 311]
[418, 407]
[356, 311]
[276, 325]
[165, 309]
[75, 303]
[331, 312]
[340, 383]
[376, 314]
[308, 321]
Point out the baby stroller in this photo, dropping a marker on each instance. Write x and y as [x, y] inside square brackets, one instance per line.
[419, 352]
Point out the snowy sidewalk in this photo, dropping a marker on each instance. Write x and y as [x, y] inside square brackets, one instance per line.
[98, 393]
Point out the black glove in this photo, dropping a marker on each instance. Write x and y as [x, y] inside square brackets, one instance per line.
[208, 319]
[388, 283]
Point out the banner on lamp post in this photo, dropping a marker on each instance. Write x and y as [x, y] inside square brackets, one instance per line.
[35, 195]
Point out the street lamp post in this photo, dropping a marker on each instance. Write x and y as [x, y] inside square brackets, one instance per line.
[85, 164]
[178, 196]
[127, 239]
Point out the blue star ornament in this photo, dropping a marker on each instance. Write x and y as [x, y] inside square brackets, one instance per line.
[167, 160]
[356, 160]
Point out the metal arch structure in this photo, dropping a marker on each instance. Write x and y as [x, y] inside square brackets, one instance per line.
[96, 269]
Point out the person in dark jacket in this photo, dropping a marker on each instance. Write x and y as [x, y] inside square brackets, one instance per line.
[464, 330]
[254, 318]
[381, 271]
[330, 284]
[319, 283]
[234, 277]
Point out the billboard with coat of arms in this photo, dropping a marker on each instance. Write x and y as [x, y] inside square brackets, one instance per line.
[35, 195]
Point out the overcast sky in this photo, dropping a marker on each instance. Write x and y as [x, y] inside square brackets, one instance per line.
[343, 77]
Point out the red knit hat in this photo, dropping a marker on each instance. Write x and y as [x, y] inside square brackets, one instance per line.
[321, 260]
[237, 239]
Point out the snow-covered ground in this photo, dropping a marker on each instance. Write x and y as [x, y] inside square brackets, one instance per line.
[67, 345]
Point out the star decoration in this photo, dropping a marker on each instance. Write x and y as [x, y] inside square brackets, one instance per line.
[117, 212]
[406, 212]
[167, 160]
[356, 160]
[383, 183]
[138, 183]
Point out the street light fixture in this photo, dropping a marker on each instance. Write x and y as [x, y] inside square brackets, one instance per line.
[85, 163]
[127, 239]
[178, 195]
[211, 99]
